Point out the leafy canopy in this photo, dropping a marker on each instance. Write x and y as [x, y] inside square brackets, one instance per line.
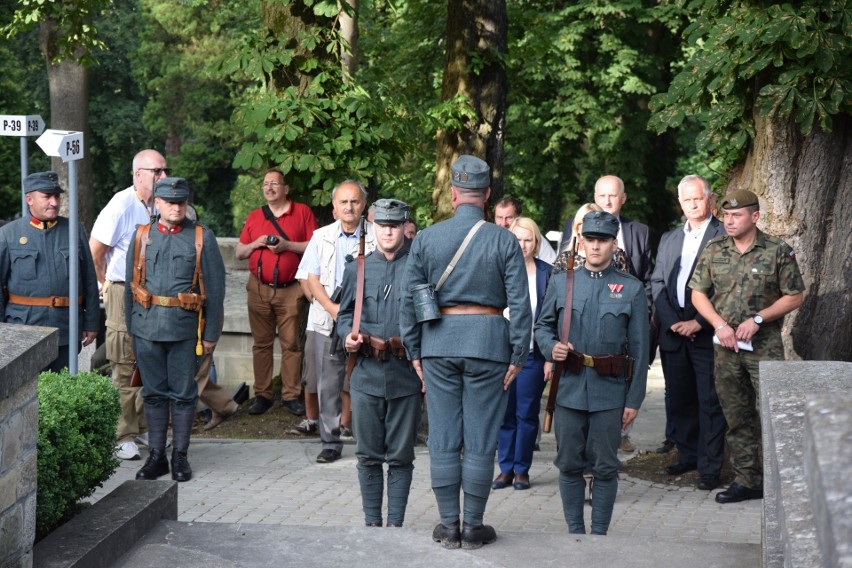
[781, 59]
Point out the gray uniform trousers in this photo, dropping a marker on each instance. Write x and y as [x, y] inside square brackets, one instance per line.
[449, 381]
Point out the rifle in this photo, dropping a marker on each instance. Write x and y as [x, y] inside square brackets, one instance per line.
[359, 295]
[566, 328]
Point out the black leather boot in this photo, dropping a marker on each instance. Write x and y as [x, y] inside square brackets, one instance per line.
[157, 417]
[182, 419]
[181, 471]
[155, 466]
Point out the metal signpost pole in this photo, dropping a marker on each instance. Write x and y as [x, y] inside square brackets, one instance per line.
[69, 147]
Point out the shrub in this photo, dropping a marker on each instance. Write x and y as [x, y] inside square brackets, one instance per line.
[76, 440]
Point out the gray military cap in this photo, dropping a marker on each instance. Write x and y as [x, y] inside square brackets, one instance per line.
[172, 189]
[469, 172]
[600, 224]
[390, 212]
[45, 182]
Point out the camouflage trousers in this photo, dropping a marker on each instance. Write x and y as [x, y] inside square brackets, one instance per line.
[738, 386]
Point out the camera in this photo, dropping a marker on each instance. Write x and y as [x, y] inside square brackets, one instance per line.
[272, 240]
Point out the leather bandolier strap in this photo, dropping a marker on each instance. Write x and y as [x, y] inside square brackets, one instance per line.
[187, 300]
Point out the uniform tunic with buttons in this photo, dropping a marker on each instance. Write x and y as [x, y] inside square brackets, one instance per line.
[609, 314]
[169, 267]
[382, 311]
[34, 263]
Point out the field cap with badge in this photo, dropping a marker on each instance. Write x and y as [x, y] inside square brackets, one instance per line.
[600, 224]
[739, 199]
[44, 182]
[469, 172]
[172, 189]
[390, 212]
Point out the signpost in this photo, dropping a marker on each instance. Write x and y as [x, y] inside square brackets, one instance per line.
[22, 126]
[68, 146]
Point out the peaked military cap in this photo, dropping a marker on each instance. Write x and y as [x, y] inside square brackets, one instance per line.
[390, 212]
[469, 172]
[45, 182]
[739, 199]
[172, 189]
[600, 224]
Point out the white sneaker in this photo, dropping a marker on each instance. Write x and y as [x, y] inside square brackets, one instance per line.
[127, 451]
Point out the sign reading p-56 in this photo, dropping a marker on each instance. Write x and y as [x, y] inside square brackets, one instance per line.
[21, 125]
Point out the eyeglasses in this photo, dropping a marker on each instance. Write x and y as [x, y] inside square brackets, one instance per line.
[271, 184]
[157, 171]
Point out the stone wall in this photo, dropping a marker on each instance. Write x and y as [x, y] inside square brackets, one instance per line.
[807, 441]
[24, 351]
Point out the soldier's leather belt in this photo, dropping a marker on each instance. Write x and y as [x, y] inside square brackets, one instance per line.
[606, 365]
[51, 301]
[470, 310]
[381, 349]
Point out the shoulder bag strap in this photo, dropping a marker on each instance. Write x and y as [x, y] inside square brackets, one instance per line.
[267, 212]
[457, 256]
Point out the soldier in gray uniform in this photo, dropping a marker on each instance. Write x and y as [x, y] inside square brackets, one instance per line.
[385, 389]
[595, 401]
[34, 254]
[164, 311]
[471, 354]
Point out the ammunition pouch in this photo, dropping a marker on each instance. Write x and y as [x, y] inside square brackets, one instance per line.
[140, 295]
[604, 365]
[191, 301]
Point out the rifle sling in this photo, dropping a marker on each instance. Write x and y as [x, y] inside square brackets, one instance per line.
[359, 298]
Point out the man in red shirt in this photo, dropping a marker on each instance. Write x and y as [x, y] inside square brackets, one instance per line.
[273, 239]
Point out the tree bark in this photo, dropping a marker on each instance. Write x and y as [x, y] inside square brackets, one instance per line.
[805, 189]
[286, 22]
[473, 68]
[68, 82]
[349, 32]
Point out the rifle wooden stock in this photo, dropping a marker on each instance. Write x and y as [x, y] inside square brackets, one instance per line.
[551, 398]
[566, 328]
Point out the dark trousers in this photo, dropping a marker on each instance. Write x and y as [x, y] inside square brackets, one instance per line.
[699, 424]
[516, 438]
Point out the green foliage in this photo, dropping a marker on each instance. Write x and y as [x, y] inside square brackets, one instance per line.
[76, 440]
[581, 75]
[75, 36]
[188, 100]
[301, 117]
[779, 59]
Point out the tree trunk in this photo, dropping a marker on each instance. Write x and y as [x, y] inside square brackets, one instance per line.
[68, 82]
[349, 32]
[805, 189]
[475, 29]
[286, 22]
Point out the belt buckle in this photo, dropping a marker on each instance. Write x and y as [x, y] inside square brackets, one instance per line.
[588, 360]
[55, 302]
[162, 301]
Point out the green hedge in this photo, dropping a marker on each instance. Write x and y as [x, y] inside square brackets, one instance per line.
[76, 440]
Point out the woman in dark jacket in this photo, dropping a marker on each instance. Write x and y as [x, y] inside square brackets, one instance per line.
[517, 436]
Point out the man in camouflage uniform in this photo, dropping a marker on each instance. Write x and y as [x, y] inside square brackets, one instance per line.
[595, 402]
[385, 388]
[744, 285]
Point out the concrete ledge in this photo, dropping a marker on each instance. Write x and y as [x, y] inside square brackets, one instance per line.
[828, 457]
[25, 348]
[790, 535]
[101, 534]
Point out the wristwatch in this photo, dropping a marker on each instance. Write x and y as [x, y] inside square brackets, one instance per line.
[757, 319]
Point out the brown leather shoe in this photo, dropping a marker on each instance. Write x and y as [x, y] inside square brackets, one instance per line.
[216, 418]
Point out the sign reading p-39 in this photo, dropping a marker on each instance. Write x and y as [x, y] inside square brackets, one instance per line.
[20, 125]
